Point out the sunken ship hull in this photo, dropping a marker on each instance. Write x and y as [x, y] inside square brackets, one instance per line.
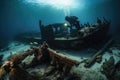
[69, 36]
[56, 35]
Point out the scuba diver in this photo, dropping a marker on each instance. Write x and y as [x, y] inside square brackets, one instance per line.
[73, 20]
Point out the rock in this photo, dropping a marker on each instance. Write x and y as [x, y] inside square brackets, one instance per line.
[108, 67]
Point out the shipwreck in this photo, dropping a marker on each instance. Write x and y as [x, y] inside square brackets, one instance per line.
[73, 35]
[69, 35]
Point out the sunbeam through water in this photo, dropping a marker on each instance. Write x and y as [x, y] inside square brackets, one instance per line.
[64, 5]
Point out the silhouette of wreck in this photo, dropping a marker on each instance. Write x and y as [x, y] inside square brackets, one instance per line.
[69, 35]
[72, 34]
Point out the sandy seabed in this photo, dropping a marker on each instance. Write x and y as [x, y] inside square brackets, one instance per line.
[92, 73]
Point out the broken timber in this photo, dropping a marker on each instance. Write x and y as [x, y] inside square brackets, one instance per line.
[57, 59]
[63, 58]
[62, 62]
[90, 61]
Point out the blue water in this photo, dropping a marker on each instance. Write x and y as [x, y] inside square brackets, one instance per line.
[22, 16]
[17, 16]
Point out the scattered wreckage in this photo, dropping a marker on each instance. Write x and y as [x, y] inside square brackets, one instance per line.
[57, 62]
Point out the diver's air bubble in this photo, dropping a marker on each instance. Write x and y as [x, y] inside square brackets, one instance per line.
[67, 12]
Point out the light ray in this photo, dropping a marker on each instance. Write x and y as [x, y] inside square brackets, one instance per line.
[65, 5]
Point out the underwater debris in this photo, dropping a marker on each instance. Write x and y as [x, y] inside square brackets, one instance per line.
[14, 72]
[108, 68]
[55, 69]
[41, 55]
[13, 69]
[58, 62]
[98, 56]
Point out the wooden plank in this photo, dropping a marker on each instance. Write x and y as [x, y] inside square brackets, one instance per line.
[64, 59]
